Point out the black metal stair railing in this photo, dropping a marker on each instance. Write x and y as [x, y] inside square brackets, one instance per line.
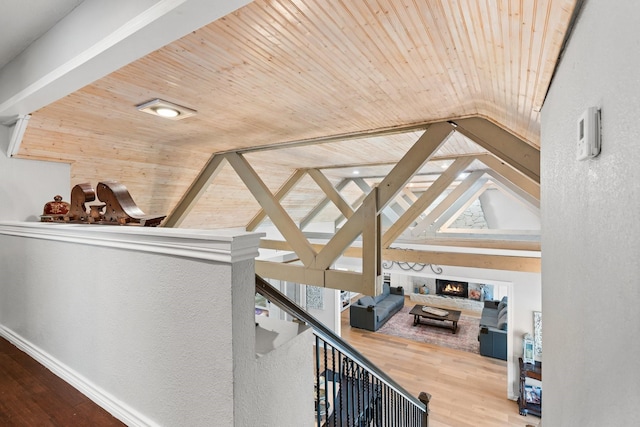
[350, 391]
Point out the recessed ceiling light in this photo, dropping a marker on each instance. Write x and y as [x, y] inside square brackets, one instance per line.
[167, 112]
[166, 109]
[356, 172]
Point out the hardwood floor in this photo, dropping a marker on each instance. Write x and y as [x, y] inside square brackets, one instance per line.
[31, 395]
[467, 390]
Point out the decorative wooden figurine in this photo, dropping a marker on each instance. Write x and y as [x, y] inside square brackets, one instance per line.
[81, 194]
[119, 207]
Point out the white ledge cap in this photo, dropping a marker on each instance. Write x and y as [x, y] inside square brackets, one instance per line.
[215, 245]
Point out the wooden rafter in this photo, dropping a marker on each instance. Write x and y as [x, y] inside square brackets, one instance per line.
[289, 184]
[515, 189]
[276, 212]
[409, 194]
[425, 200]
[354, 205]
[386, 213]
[330, 191]
[504, 169]
[390, 186]
[364, 216]
[497, 262]
[445, 221]
[516, 194]
[468, 184]
[320, 206]
[402, 202]
[371, 253]
[195, 191]
[504, 145]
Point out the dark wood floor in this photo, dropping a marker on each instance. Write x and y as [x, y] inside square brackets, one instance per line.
[31, 395]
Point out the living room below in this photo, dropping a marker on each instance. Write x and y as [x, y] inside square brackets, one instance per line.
[522, 289]
[477, 382]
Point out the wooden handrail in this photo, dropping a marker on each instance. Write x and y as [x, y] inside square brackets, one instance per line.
[272, 294]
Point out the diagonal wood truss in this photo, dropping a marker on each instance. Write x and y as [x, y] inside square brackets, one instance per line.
[513, 165]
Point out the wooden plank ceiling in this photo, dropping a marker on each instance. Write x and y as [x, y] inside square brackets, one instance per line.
[283, 71]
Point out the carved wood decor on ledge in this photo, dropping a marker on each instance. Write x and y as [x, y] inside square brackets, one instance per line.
[118, 207]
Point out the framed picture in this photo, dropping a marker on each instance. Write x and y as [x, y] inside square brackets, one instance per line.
[527, 350]
[537, 333]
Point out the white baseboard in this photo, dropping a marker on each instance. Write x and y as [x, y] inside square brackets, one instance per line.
[108, 402]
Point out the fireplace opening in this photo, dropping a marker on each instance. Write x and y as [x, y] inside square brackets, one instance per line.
[452, 288]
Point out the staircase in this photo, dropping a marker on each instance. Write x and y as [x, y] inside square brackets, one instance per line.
[350, 390]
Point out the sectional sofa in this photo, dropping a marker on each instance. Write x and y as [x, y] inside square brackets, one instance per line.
[372, 312]
[493, 329]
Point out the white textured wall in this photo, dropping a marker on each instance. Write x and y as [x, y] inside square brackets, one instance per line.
[26, 185]
[152, 331]
[329, 315]
[504, 212]
[284, 385]
[155, 325]
[591, 247]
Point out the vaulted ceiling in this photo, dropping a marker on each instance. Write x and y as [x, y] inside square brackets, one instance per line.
[303, 84]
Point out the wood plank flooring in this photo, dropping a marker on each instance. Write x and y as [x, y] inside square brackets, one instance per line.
[31, 395]
[467, 390]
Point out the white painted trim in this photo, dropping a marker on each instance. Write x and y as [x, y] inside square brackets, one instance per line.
[17, 132]
[227, 246]
[73, 54]
[108, 402]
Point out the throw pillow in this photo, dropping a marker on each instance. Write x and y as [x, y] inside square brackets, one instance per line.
[366, 301]
[386, 289]
[502, 321]
[502, 311]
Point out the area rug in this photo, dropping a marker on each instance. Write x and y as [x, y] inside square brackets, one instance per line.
[465, 339]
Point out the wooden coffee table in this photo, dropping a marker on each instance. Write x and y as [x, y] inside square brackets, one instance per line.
[453, 316]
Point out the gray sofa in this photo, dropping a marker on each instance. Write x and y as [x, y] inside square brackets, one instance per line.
[493, 329]
[372, 312]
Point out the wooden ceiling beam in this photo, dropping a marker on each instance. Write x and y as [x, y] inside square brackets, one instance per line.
[288, 185]
[455, 259]
[477, 241]
[330, 191]
[469, 184]
[430, 141]
[443, 223]
[276, 212]
[497, 166]
[304, 222]
[423, 202]
[524, 263]
[390, 186]
[515, 192]
[503, 144]
[410, 195]
[335, 279]
[195, 191]
[386, 213]
[354, 205]
[371, 249]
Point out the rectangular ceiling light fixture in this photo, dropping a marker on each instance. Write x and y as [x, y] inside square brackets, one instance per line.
[166, 109]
